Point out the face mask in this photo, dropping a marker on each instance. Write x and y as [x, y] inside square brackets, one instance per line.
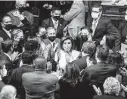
[43, 37]
[8, 27]
[95, 15]
[57, 17]
[22, 9]
[84, 38]
[52, 38]
[125, 17]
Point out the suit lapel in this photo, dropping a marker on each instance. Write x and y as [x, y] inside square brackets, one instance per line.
[6, 35]
[51, 23]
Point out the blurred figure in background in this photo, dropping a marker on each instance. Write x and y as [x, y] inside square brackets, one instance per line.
[76, 19]
[20, 16]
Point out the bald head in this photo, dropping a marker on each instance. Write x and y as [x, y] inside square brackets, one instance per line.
[40, 63]
[51, 31]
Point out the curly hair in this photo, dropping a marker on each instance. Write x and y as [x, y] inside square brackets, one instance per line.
[112, 86]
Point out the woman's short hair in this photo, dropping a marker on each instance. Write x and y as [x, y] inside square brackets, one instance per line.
[89, 47]
[8, 92]
[112, 86]
[64, 39]
[72, 74]
[116, 59]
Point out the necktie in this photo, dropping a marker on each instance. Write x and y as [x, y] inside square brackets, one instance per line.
[93, 27]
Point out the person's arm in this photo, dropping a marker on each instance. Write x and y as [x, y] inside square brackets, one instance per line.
[73, 12]
[111, 29]
[44, 24]
[124, 88]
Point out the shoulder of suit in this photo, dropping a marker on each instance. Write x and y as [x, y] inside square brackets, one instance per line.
[1, 31]
[46, 41]
[27, 13]
[105, 19]
[27, 73]
[53, 77]
[46, 20]
[57, 40]
[10, 12]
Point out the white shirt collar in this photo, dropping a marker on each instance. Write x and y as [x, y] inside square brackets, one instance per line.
[8, 32]
[8, 56]
[54, 21]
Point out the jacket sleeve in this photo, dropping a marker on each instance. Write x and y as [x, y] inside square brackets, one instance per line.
[111, 29]
[44, 24]
[73, 12]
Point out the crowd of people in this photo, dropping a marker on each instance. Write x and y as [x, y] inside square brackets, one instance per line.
[64, 57]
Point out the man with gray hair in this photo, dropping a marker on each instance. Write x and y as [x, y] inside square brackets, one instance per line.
[39, 84]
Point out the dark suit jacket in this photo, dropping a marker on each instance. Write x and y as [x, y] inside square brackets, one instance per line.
[108, 97]
[81, 63]
[123, 30]
[61, 24]
[105, 26]
[97, 74]
[4, 35]
[9, 66]
[39, 85]
[16, 79]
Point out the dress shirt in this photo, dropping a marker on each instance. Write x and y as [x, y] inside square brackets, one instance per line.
[55, 23]
[94, 24]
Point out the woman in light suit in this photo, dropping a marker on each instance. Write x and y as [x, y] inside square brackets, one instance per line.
[66, 54]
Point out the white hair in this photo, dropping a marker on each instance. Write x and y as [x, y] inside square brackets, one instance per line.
[8, 92]
[112, 86]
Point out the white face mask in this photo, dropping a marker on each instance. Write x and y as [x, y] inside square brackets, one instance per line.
[94, 15]
[125, 17]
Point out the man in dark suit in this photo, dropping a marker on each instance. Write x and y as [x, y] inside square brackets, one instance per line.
[96, 74]
[55, 21]
[101, 25]
[39, 84]
[6, 57]
[88, 51]
[16, 76]
[5, 31]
